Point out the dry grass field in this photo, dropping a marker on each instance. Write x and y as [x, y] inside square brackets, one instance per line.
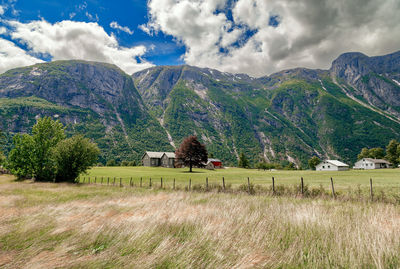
[45, 225]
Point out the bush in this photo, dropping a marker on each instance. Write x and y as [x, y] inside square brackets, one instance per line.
[111, 162]
[74, 156]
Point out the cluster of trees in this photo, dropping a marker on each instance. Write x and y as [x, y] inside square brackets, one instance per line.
[47, 155]
[391, 154]
[113, 162]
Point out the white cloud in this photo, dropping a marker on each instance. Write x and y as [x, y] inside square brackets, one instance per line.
[125, 29]
[311, 33]
[2, 9]
[3, 30]
[12, 56]
[67, 40]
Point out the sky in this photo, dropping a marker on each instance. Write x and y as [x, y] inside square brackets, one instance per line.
[256, 37]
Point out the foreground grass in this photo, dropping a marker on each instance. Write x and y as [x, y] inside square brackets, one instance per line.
[44, 225]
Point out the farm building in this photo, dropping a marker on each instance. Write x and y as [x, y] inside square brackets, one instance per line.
[369, 163]
[168, 160]
[331, 165]
[213, 164]
[154, 159]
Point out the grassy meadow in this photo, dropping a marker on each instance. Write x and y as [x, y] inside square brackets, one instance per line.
[47, 225]
[384, 180]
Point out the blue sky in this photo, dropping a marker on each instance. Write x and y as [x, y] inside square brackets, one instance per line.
[256, 37]
[128, 13]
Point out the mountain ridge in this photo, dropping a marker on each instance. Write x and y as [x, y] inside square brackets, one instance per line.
[287, 116]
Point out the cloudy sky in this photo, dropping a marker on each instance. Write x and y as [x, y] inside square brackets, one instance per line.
[256, 37]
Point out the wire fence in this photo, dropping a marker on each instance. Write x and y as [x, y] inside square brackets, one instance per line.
[248, 186]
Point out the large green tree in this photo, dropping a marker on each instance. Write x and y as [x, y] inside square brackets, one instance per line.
[374, 153]
[74, 156]
[19, 160]
[393, 152]
[46, 134]
[313, 162]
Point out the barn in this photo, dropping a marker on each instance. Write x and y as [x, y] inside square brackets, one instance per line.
[213, 164]
[168, 160]
[369, 163]
[331, 165]
[154, 159]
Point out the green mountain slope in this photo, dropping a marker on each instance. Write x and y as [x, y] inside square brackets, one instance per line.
[95, 99]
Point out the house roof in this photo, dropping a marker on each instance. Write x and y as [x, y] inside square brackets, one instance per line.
[336, 163]
[213, 160]
[170, 154]
[153, 154]
[376, 160]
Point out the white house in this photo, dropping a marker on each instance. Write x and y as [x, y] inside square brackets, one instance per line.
[368, 163]
[331, 165]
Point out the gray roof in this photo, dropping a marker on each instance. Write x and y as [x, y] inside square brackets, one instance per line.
[336, 163]
[376, 160]
[153, 154]
[170, 154]
[213, 160]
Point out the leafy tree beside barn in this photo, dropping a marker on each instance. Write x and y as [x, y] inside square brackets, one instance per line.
[191, 152]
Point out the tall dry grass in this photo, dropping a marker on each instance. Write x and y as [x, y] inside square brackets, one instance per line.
[47, 226]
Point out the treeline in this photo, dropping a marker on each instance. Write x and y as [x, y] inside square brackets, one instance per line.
[47, 155]
[391, 153]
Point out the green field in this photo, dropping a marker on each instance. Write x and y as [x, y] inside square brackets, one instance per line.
[384, 179]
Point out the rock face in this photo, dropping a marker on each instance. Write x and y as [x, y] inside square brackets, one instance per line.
[374, 80]
[289, 115]
[285, 117]
[95, 98]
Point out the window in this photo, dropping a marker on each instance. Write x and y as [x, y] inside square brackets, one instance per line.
[323, 166]
[329, 166]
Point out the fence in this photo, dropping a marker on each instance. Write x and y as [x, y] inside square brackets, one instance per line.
[273, 189]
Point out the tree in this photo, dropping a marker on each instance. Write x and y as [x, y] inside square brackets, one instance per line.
[377, 153]
[364, 154]
[313, 162]
[191, 152]
[46, 134]
[111, 162]
[392, 152]
[19, 159]
[74, 156]
[243, 161]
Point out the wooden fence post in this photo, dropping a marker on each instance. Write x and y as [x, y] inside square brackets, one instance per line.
[150, 183]
[83, 180]
[161, 183]
[89, 180]
[101, 180]
[372, 193]
[248, 184]
[130, 183]
[140, 182]
[273, 185]
[114, 182]
[174, 184]
[333, 189]
[108, 181]
[302, 186]
[206, 183]
[223, 183]
[190, 183]
[120, 182]
[95, 180]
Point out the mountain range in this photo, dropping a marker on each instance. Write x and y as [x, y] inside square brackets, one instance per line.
[288, 116]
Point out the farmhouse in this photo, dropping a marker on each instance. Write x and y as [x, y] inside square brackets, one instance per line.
[213, 164]
[369, 163]
[331, 165]
[154, 159]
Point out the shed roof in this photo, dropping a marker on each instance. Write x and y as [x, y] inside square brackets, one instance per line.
[376, 160]
[337, 163]
[170, 154]
[213, 160]
[153, 154]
